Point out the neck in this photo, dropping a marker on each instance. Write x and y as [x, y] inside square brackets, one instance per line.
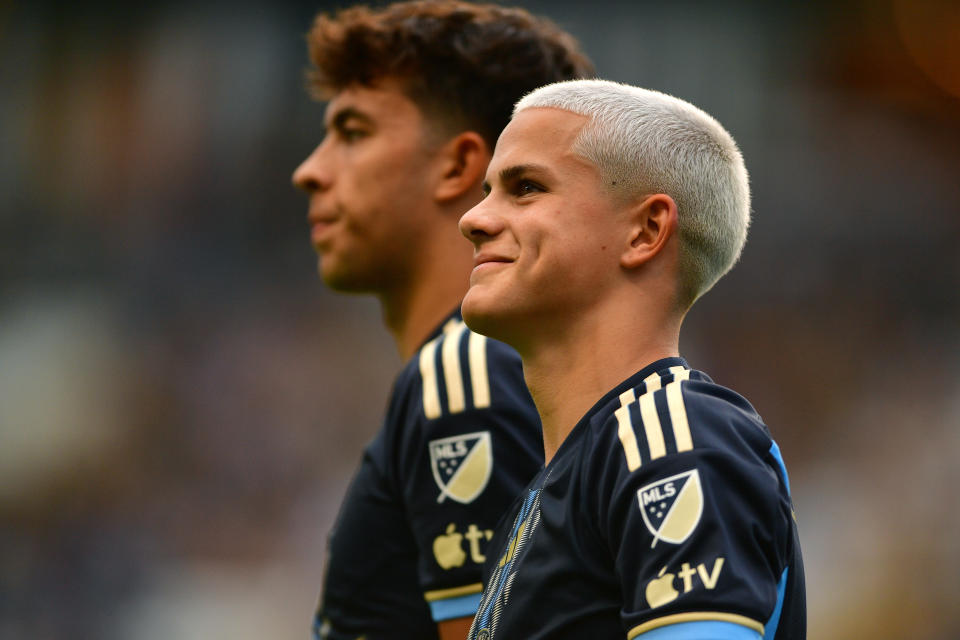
[433, 288]
[569, 369]
[412, 313]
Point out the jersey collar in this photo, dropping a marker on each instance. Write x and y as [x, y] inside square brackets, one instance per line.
[453, 316]
[613, 394]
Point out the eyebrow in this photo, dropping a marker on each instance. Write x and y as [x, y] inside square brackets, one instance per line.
[509, 174]
[512, 173]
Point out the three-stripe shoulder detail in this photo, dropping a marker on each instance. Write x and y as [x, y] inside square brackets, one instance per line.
[644, 411]
[451, 371]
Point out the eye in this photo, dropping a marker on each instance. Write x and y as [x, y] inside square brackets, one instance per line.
[352, 134]
[526, 188]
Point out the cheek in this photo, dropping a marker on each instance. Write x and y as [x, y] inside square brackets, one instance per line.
[379, 190]
[398, 182]
[582, 259]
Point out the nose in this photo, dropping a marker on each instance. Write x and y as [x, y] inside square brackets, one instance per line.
[312, 174]
[481, 222]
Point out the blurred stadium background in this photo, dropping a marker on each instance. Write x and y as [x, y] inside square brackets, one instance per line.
[181, 402]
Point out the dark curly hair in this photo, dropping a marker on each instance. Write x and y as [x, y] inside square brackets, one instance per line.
[462, 63]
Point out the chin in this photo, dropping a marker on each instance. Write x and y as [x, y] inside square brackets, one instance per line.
[336, 277]
[486, 319]
[332, 277]
[474, 314]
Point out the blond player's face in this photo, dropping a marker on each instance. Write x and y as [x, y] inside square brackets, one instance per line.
[545, 236]
[367, 187]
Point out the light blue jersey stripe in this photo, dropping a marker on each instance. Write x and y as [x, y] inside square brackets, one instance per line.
[459, 607]
[703, 630]
[775, 452]
[774, 621]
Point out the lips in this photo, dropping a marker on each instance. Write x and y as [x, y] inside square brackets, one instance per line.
[320, 226]
[487, 261]
[484, 258]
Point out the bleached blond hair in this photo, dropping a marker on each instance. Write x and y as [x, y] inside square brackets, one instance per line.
[645, 142]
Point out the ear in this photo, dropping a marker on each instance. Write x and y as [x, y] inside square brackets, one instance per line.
[463, 163]
[653, 221]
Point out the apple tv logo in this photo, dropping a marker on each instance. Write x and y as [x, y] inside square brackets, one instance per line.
[661, 590]
[448, 546]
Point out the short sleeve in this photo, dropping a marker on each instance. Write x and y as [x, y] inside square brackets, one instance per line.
[370, 578]
[475, 446]
[697, 535]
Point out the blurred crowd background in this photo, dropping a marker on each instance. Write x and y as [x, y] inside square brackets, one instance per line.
[182, 403]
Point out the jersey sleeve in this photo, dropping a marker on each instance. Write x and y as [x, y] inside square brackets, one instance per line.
[695, 515]
[370, 572]
[475, 445]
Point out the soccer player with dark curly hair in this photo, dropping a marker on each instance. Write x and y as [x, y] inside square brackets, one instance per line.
[664, 509]
[418, 93]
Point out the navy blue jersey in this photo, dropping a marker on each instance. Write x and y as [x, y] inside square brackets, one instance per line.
[664, 515]
[460, 441]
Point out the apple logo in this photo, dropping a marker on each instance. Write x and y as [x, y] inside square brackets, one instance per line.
[660, 590]
[447, 548]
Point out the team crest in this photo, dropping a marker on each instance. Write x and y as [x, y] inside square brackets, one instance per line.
[462, 465]
[672, 507]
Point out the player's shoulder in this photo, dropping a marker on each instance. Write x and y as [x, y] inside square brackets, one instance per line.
[458, 371]
[669, 409]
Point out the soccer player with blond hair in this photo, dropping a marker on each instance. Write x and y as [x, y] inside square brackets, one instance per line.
[663, 511]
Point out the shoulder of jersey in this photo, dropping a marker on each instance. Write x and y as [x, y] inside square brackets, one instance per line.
[453, 370]
[677, 410]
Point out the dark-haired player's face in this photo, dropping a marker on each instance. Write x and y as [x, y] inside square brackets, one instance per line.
[545, 236]
[367, 187]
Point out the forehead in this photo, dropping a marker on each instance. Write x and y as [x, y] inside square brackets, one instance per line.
[385, 100]
[541, 136]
